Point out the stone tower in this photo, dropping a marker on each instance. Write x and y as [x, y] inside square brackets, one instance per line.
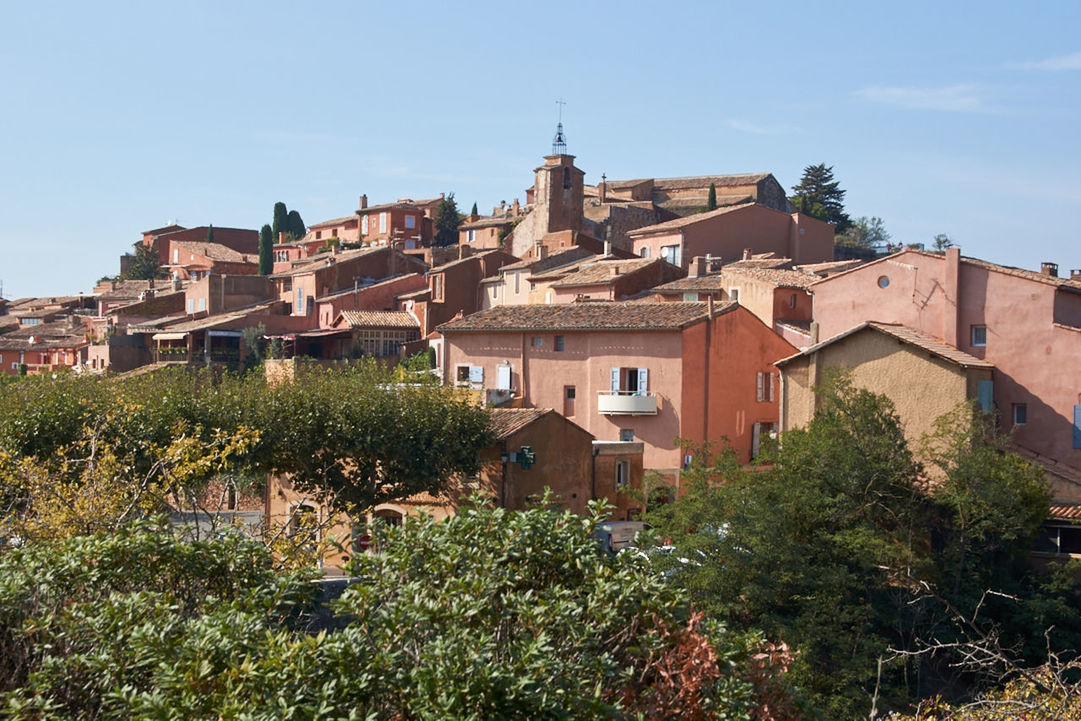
[558, 197]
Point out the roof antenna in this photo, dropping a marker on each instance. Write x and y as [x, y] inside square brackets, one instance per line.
[559, 142]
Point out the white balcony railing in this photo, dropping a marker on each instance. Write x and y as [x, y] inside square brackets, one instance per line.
[626, 403]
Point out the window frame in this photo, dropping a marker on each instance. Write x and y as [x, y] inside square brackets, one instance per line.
[972, 331]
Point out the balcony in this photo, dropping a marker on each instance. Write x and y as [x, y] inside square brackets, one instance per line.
[626, 403]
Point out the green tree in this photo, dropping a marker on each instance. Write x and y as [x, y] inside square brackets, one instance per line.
[473, 211]
[266, 250]
[296, 225]
[446, 221]
[146, 265]
[281, 220]
[864, 232]
[711, 199]
[943, 241]
[210, 233]
[820, 196]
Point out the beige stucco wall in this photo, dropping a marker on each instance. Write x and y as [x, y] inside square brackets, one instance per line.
[921, 387]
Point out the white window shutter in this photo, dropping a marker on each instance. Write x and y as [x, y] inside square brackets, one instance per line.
[760, 387]
[615, 380]
[643, 381]
[502, 374]
[772, 385]
[476, 374]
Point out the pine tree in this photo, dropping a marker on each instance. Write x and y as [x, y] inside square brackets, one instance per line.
[446, 221]
[266, 250]
[711, 201]
[296, 225]
[820, 196]
[145, 266]
[281, 220]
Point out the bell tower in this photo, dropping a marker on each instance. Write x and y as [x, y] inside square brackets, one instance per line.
[558, 186]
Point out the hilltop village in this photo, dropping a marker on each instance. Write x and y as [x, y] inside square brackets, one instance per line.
[599, 323]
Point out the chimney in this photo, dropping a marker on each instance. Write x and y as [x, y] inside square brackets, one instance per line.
[515, 208]
[814, 332]
[746, 253]
[1050, 269]
[112, 285]
[541, 251]
[698, 267]
[709, 305]
[281, 236]
[364, 201]
[177, 284]
[615, 270]
[602, 191]
[150, 283]
[464, 251]
[1075, 274]
[503, 207]
[607, 248]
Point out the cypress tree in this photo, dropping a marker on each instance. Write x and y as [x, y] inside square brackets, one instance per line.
[210, 233]
[711, 201]
[296, 225]
[281, 220]
[474, 210]
[266, 250]
[446, 221]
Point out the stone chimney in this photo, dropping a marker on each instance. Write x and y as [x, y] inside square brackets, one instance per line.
[698, 267]
[746, 253]
[709, 305]
[602, 191]
[112, 285]
[177, 284]
[281, 236]
[615, 270]
[503, 207]
[1050, 269]
[363, 201]
[607, 248]
[515, 208]
[540, 251]
[1075, 274]
[814, 332]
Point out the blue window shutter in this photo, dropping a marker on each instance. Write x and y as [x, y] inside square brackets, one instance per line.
[986, 395]
[1077, 426]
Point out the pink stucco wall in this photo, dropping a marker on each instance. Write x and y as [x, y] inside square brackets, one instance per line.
[1035, 357]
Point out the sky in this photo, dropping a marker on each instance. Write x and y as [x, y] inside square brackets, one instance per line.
[959, 118]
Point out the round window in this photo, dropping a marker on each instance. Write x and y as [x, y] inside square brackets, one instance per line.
[883, 282]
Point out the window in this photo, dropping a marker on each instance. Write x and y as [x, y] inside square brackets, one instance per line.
[471, 375]
[733, 294]
[883, 282]
[764, 387]
[979, 336]
[537, 341]
[502, 378]
[202, 304]
[1059, 538]
[1020, 414]
[623, 473]
[364, 225]
[1077, 426]
[318, 234]
[690, 297]
[566, 177]
[410, 222]
[382, 222]
[298, 307]
[792, 301]
[670, 253]
[176, 255]
[287, 285]
[626, 435]
[470, 236]
[191, 305]
[462, 374]
[985, 394]
[759, 432]
[569, 392]
[517, 283]
[437, 287]
[644, 252]
[629, 381]
[559, 342]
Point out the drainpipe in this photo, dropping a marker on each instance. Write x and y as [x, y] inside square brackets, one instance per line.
[593, 474]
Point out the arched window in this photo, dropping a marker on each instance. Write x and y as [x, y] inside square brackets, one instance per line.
[566, 177]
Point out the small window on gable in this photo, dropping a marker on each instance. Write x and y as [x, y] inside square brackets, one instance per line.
[623, 473]
[559, 342]
[1020, 414]
[979, 336]
[566, 178]
[733, 294]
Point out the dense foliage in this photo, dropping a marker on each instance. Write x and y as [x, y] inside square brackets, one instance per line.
[487, 615]
[145, 266]
[446, 221]
[820, 196]
[352, 434]
[266, 250]
[841, 549]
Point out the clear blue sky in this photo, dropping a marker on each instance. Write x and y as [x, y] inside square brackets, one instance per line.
[958, 118]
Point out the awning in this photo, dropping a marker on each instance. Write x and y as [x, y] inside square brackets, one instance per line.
[169, 336]
[224, 333]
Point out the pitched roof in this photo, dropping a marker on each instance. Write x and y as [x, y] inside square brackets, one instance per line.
[702, 282]
[378, 319]
[463, 261]
[508, 421]
[554, 260]
[377, 283]
[830, 266]
[335, 221]
[215, 251]
[585, 316]
[489, 221]
[47, 336]
[777, 277]
[322, 260]
[693, 181]
[678, 223]
[906, 335]
[601, 272]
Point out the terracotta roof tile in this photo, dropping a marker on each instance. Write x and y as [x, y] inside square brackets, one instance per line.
[508, 421]
[704, 283]
[678, 223]
[378, 319]
[334, 221]
[600, 272]
[585, 316]
[215, 251]
[905, 335]
[692, 181]
[777, 277]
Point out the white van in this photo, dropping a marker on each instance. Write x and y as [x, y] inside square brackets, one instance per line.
[617, 535]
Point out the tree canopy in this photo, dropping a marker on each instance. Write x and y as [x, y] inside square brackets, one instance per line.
[145, 266]
[296, 225]
[446, 221]
[820, 196]
[280, 224]
[865, 232]
[266, 250]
